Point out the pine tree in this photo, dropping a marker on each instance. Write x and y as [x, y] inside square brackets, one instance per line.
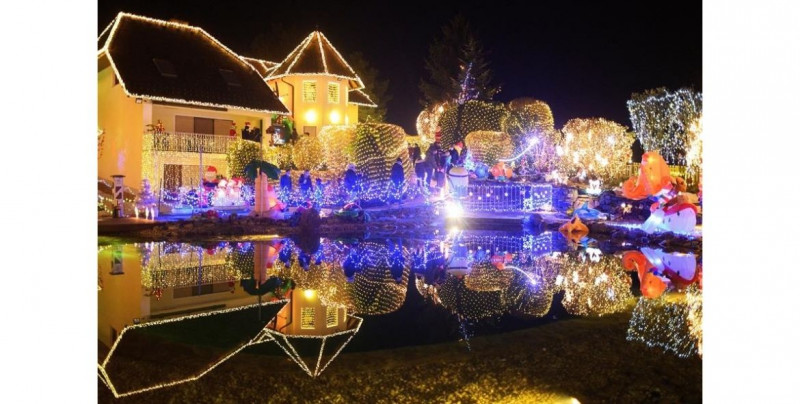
[374, 87]
[448, 66]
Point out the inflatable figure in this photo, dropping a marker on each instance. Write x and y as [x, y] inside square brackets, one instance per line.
[501, 172]
[679, 218]
[587, 213]
[653, 177]
[657, 270]
[574, 230]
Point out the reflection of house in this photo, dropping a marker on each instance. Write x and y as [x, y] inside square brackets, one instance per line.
[168, 281]
[152, 71]
[311, 333]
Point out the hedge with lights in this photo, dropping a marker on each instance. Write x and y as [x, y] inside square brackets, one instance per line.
[281, 156]
[475, 116]
[672, 322]
[528, 118]
[661, 120]
[597, 147]
[428, 121]
[377, 147]
[487, 146]
[594, 286]
[471, 304]
[240, 154]
[307, 153]
[337, 146]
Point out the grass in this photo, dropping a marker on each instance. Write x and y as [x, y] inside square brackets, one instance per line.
[588, 359]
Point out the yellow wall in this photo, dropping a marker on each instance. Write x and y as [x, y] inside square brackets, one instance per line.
[122, 297]
[123, 122]
[322, 108]
[352, 114]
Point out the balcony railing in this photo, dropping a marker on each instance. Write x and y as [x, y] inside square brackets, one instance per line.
[189, 142]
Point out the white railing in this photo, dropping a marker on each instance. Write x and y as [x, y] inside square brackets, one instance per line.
[189, 142]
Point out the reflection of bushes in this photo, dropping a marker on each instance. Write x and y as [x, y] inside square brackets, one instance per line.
[594, 288]
[471, 304]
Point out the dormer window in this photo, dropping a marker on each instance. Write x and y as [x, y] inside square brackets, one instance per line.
[165, 67]
[230, 77]
[333, 93]
[310, 91]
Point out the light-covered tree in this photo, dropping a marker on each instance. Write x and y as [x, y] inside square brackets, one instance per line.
[488, 146]
[662, 118]
[240, 154]
[307, 153]
[337, 146]
[595, 146]
[475, 116]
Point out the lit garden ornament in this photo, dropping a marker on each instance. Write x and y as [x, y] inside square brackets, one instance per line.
[119, 210]
[594, 187]
[459, 180]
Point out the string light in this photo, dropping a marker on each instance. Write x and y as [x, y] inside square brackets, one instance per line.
[662, 120]
[672, 322]
[337, 150]
[299, 52]
[596, 146]
[489, 147]
[594, 285]
[105, 51]
[377, 147]
[306, 153]
[475, 116]
[106, 378]
[361, 93]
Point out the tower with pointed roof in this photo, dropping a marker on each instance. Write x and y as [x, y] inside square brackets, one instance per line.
[318, 86]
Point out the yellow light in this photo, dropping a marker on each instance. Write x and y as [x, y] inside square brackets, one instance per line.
[335, 117]
[309, 293]
[311, 116]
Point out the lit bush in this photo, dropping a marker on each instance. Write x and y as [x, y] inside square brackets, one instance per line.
[281, 156]
[307, 153]
[597, 147]
[377, 147]
[662, 120]
[532, 119]
[487, 146]
[337, 146]
[475, 116]
[240, 154]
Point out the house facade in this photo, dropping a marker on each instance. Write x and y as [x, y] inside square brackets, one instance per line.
[171, 99]
[169, 93]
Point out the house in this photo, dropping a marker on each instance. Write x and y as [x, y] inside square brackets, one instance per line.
[318, 86]
[170, 96]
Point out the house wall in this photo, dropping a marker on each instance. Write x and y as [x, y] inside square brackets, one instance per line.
[352, 114]
[122, 120]
[298, 301]
[316, 114]
[121, 298]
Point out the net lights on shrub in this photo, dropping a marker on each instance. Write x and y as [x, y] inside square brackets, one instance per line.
[489, 147]
[662, 120]
[595, 146]
[475, 116]
[672, 322]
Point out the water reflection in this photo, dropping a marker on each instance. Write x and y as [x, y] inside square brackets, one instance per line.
[332, 286]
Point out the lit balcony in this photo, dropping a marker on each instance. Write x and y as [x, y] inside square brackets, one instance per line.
[188, 142]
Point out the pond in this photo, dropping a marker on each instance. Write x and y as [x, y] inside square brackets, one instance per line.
[170, 313]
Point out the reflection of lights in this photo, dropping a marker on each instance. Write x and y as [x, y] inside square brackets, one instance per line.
[453, 209]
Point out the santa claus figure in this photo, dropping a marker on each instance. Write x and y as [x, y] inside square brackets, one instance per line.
[233, 129]
[210, 177]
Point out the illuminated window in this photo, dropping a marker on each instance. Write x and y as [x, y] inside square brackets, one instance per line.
[310, 91]
[307, 318]
[331, 316]
[333, 93]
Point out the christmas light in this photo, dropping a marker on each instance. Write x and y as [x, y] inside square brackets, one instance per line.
[662, 120]
[475, 116]
[369, 102]
[672, 322]
[586, 142]
[489, 147]
[106, 378]
[104, 51]
[299, 51]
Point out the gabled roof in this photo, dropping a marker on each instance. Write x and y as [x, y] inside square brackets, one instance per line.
[262, 66]
[316, 55]
[358, 97]
[174, 62]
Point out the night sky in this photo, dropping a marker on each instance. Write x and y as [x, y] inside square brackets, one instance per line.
[583, 58]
